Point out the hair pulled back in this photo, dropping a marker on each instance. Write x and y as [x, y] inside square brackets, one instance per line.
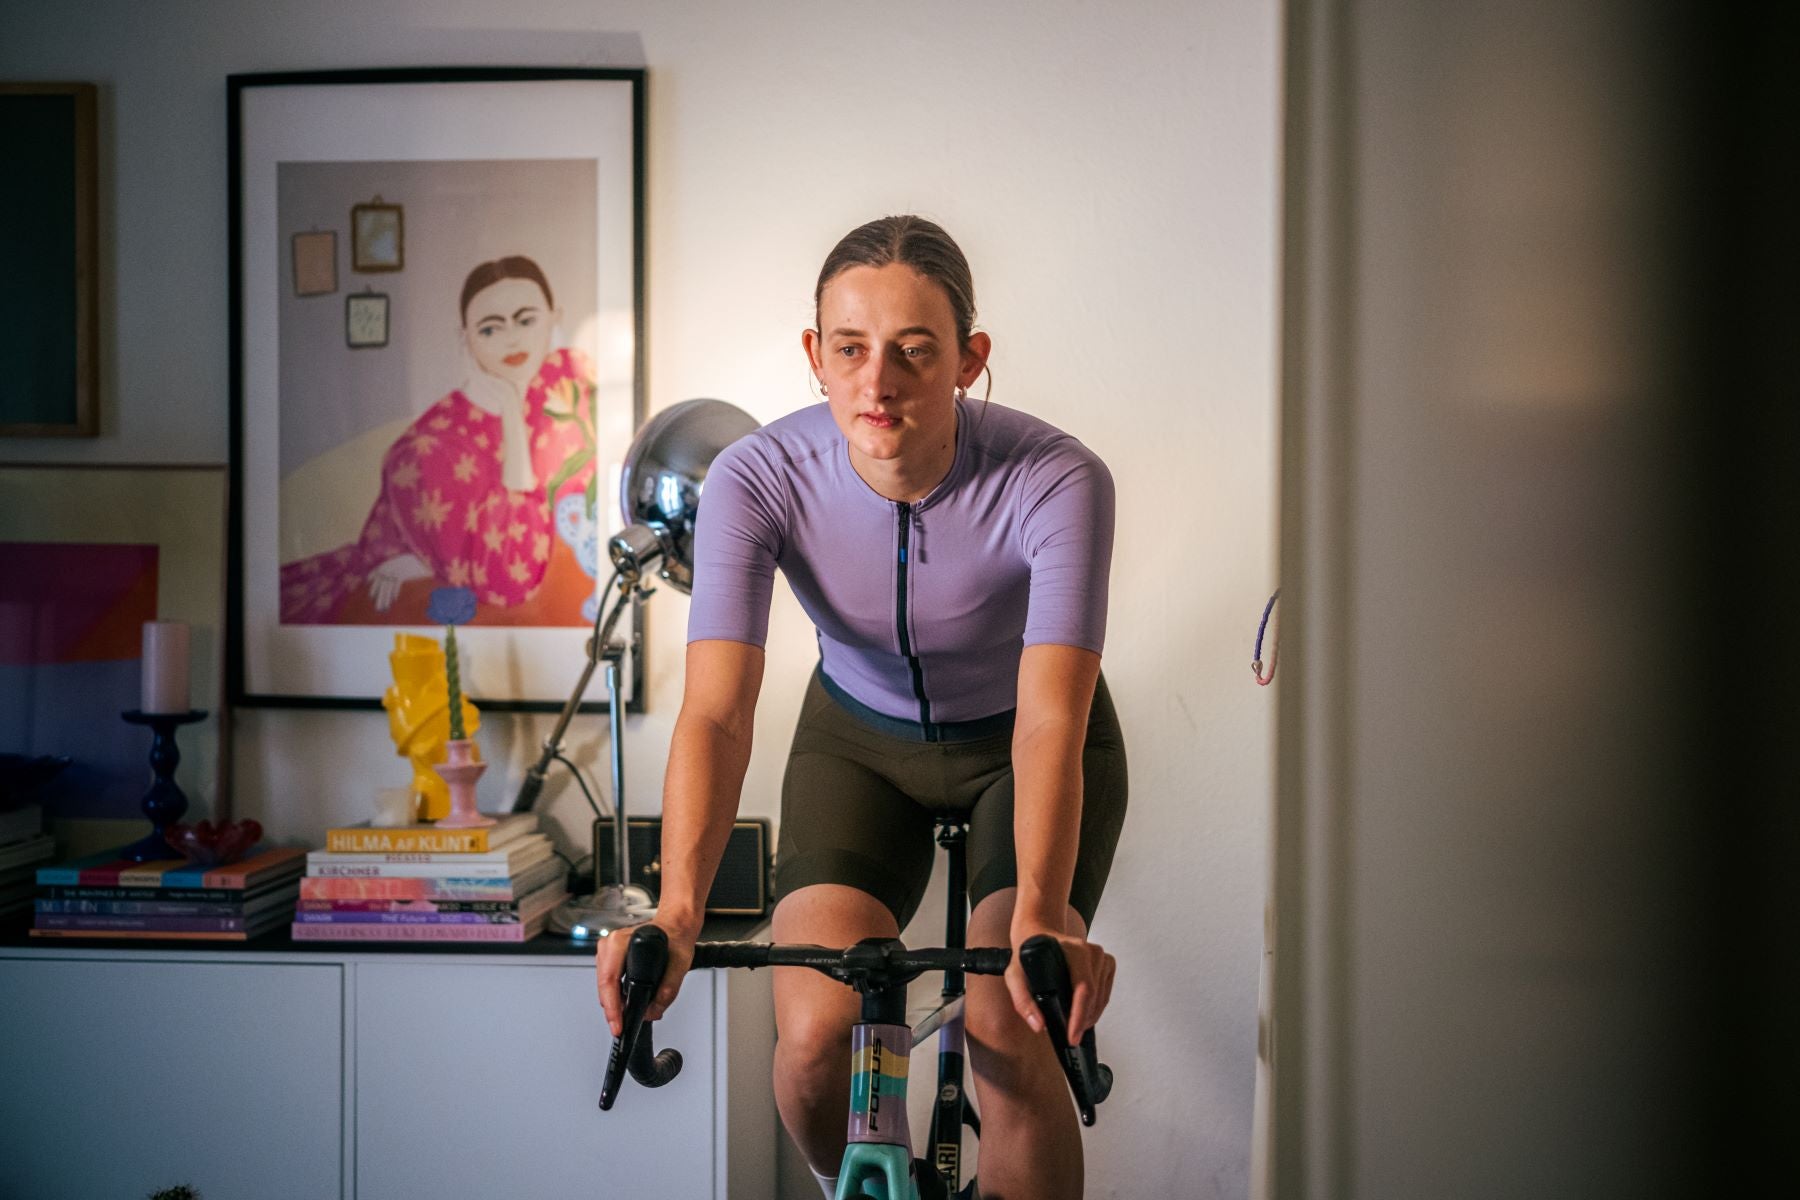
[913, 242]
[513, 266]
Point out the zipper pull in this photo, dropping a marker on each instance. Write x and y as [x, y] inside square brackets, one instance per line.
[905, 518]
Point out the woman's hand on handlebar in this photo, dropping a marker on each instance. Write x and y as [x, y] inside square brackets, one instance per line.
[1090, 972]
[609, 962]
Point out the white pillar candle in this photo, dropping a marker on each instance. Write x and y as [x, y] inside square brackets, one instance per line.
[165, 667]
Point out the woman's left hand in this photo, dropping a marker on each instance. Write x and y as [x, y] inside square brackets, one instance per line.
[385, 580]
[1090, 974]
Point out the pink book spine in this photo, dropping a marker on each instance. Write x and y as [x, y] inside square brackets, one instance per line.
[316, 888]
[408, 906]
[310, 917]
[408, 933]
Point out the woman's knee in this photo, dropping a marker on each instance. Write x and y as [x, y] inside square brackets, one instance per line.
[814, 1038]
[1003, 1050]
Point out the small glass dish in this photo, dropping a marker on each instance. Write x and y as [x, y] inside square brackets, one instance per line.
[207, 845]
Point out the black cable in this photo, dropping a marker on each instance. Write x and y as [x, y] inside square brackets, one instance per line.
[582, 781]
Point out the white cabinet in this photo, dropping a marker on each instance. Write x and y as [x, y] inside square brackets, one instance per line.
[380, 1076]
[122, 1078]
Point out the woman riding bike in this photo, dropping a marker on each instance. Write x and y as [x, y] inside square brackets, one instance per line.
[953, 555]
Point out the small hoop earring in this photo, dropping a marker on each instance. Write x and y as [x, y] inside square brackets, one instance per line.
[961, 394]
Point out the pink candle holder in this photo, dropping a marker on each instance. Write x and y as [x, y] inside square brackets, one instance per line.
[460, 771]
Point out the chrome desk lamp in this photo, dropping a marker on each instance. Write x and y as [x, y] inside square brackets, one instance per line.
[659, 497]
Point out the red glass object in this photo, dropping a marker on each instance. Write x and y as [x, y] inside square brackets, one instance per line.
[208, 845]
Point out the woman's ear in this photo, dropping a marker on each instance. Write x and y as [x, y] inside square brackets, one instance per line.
[974, 358]
[809, 342]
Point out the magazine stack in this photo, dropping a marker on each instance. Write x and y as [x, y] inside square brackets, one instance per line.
[105, 896]
[423, 883]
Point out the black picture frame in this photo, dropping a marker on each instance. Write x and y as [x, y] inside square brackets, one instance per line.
[277, 118]
[49, 241]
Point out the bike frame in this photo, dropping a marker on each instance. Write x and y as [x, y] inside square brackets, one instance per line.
[881, 1045]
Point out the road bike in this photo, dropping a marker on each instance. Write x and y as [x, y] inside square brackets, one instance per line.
[878, 1160]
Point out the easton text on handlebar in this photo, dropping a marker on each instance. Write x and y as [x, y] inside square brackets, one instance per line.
[870, 967]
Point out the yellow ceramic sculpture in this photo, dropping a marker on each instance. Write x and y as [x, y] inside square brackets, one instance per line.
[418, 709]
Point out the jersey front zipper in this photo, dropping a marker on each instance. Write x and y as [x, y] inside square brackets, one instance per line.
[906, 648]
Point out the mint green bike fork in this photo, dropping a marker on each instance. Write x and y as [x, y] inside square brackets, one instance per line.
[878, 1170]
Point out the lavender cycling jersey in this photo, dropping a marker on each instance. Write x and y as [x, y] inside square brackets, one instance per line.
[923, 609]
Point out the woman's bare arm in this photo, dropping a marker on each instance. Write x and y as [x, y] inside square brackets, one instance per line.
[708, 755]
[1056, 689]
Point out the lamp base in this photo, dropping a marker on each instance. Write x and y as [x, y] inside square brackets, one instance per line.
[586, 918]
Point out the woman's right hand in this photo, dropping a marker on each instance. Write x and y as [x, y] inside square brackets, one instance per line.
[609, 963]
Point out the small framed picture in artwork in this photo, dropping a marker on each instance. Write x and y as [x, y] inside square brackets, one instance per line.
[315, 263]
[377, 237]
[365, 320]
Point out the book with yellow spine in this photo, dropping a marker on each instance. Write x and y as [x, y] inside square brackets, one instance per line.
[426, 838]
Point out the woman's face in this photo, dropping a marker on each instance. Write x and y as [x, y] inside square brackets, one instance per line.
[507, 325]
[886, 353]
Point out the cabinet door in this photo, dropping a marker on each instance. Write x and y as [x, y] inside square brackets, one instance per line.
[485, 1081]
[123, 1078]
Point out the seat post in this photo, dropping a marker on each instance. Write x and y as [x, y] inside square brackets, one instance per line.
[953, 835]
[951, 1110]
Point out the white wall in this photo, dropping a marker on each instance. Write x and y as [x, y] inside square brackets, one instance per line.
[1112, 174]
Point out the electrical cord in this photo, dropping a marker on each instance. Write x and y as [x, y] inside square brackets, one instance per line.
[1256, 663]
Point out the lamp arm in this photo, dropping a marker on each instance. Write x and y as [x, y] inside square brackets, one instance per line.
[533, 783]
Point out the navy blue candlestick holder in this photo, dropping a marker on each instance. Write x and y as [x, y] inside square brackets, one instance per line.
[165, 802]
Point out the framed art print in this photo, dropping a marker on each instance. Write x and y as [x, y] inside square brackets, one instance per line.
[457, 428]
[87, 554]
[365, 319]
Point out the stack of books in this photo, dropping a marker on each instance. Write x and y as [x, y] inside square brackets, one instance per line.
[105, 896]
[23, 845]
[420, 883]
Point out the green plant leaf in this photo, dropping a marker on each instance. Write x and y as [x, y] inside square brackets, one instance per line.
[568, 471]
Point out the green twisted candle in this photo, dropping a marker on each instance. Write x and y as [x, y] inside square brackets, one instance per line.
[452, 606]
[457, 733]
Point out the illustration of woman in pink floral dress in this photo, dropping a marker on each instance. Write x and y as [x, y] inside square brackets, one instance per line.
[472, 494]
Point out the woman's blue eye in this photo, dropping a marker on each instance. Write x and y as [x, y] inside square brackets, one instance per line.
[527, 320]
[488, 330]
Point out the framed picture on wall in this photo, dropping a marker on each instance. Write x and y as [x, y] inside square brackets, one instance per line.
[459, 429]
[315, 263]
[365, 320]
[49, 358]
[87, 554]
[377, 237]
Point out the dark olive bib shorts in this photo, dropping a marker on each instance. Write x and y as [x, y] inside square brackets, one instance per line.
[862, 791]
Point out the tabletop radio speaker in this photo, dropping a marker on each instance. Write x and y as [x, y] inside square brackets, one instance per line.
[741, 888]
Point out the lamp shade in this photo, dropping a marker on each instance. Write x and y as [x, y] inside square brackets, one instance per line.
[660, 485]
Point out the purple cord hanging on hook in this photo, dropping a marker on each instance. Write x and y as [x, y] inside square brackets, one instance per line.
[1256, 663]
